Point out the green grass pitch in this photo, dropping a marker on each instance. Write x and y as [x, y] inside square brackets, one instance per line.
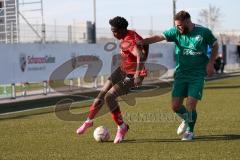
[152, 133]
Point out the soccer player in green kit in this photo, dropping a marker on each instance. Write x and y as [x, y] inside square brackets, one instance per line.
[192, 65]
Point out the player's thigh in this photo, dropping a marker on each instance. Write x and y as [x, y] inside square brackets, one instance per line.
[195, 88]
[121, 88]
[106, 87]
[117, 76]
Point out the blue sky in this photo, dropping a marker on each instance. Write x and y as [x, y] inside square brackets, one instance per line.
[138, 12]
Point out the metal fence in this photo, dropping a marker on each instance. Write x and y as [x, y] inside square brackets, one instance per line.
[80, 34]
[36, 33]
[53, 33]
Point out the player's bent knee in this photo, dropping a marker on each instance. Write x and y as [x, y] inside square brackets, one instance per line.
[176, 103]
[175, 106]
[98, 102]
[175, 109]
[109, 97]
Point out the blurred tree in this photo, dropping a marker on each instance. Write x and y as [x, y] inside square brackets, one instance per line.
[210, 17]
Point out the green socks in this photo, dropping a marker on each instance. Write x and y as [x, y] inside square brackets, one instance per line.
[192, 120]
[189, 117]
[182, 112]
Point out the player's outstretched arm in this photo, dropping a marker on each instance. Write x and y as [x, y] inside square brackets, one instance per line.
[153, 39]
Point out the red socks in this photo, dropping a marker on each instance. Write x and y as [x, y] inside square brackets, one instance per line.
[93, 111]
[117, 116]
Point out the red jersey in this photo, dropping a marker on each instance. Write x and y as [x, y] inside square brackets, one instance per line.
[128, 60]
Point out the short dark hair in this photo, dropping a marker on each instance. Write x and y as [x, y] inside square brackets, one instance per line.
[119, 22]
[182, 15]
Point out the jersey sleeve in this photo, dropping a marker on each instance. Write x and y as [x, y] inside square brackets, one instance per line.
[170, 34]
[210, 38]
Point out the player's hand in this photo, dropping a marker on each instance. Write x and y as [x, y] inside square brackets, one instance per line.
[137, 80]
[210, 69]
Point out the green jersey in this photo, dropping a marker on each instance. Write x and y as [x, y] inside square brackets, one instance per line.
[191, 49]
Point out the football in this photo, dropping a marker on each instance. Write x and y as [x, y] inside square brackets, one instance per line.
[101, 134]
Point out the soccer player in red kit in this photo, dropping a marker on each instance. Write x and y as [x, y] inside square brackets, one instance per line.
[129, 74]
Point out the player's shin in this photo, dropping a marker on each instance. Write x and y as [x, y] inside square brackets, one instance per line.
[94, 109]
[192, 120]
[117, 116]
[96, 105]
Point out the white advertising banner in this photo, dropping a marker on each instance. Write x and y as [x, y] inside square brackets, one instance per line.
[162, 53]
[36, 62]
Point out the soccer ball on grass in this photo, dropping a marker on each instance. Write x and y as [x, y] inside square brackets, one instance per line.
[101, 134]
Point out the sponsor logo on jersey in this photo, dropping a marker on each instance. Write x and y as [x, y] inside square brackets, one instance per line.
[190, 52]
[198, 38]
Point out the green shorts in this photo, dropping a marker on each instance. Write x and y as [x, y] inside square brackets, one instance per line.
[188, 87]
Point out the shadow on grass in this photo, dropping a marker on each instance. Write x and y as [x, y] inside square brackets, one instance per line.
[218, 137]
[223, 87]
[224, 137]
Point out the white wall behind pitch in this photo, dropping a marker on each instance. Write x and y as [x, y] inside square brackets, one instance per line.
[10, 65]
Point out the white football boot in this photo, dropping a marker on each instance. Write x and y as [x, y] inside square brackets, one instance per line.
[182, 128]
[188, 136]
